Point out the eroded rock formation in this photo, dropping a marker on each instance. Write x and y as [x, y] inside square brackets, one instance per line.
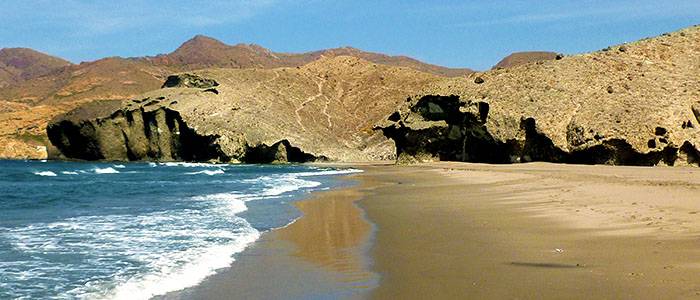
[321, 111]
[634, 104]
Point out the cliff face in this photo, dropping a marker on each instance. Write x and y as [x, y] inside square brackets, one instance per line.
[321, 111]
[635, 104]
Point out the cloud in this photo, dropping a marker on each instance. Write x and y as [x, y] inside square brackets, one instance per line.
[85, 18]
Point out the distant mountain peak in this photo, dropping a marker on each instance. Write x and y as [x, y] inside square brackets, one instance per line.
[20, 64]
[201, 41]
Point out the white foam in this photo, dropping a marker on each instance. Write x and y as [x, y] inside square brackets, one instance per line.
[208, 172]
[107, 170]
[170, 279]
[235, 203]
[69, 173]
[119, 166]
[178, 248]
[190, 164]
[287, 185]
[329, 172]
[45, 173]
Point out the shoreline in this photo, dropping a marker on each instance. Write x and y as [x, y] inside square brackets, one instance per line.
[324, 253]
[457, 230]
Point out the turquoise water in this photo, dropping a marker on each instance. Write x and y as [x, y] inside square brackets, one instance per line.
[72, 230]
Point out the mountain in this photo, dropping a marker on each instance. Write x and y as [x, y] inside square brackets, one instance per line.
[631, 104]
[203, 52]
[323, 110]
[51, 86]
[19, 64]
[521, 58]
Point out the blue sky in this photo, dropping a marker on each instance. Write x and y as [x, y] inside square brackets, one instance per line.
[472, 34]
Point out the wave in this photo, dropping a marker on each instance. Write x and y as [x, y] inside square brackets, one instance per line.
[234, 202]
[287, 184]
[178, 248]
[191, 164]
[152, 253]
[168, 280]
[329, 172]
[46, 173]
[119, 166]
[108, 170]
[208, 172]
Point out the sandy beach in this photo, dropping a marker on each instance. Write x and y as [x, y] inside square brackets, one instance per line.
[536, 231]
[455, 231]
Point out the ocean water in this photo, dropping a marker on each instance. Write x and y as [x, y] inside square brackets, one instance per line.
[71, 230]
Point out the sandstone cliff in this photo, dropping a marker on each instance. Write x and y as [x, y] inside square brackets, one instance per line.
[636, 104]
[324, 110]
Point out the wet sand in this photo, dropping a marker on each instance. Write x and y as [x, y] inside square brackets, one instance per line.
[322, 255]
[456, 231]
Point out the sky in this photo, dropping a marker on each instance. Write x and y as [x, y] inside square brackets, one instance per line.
[474, 34]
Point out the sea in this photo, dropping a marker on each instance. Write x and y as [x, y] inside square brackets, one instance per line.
[83, 230]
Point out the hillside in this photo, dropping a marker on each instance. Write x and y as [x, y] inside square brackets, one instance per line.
[322, 110]
[633, 104]
[27, 105]
[521, 58]
[20, 64]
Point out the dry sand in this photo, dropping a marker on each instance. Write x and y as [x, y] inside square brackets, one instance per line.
[533, 231]
[470, 231]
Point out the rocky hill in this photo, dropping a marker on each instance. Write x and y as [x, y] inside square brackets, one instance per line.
[204, 52]
[521, 58]
[322, 110]
[636, 104]
[20, 64]
[50, 86]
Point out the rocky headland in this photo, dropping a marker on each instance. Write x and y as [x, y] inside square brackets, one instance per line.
[324, 110]
[630, 104]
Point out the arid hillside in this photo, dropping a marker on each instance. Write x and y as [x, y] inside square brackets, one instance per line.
[521, 58]
[636, 104]
[20, 64]
[50, 86]
[322, 110]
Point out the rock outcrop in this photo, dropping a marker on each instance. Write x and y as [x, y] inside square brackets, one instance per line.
[321, 111]
[633, 104]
